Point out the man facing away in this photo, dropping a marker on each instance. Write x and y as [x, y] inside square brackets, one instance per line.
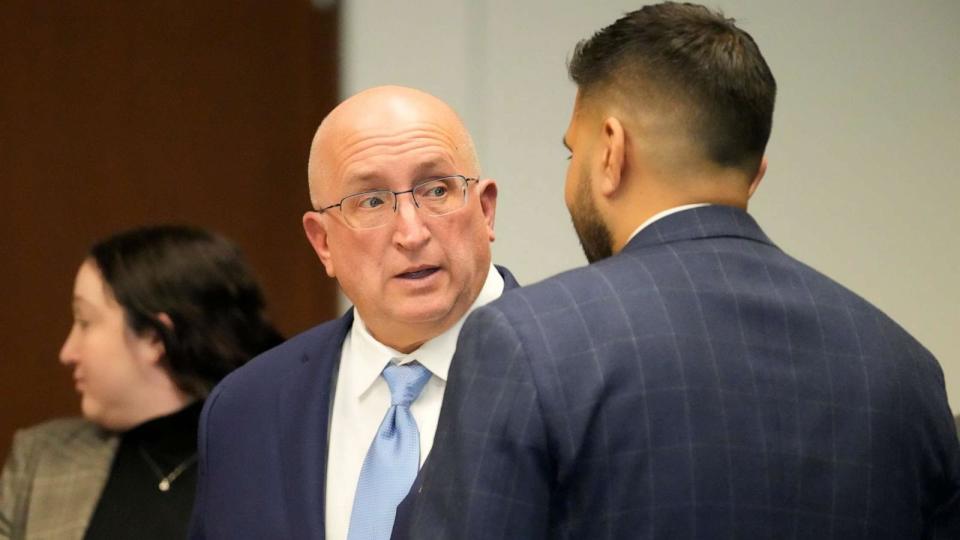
[694, 381]
[322, 436]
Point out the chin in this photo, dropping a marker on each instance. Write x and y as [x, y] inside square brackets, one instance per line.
[92, 412]
[423, 311]
[96, 413]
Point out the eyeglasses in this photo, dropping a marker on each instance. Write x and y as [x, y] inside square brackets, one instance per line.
[372, 209]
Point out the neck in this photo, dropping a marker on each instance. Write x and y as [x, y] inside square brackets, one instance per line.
[405, 339]
[162, 399]
[627, 214]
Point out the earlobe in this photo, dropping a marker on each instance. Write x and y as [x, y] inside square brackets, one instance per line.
[161, 348]
[614, 149]
[755, 183]
[488, 204]
[316, 231]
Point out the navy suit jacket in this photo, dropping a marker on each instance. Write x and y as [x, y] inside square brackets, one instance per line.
[700, 384]
[263, 440]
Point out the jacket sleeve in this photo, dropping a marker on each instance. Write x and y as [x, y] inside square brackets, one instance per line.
[489, 474]
[16, 482]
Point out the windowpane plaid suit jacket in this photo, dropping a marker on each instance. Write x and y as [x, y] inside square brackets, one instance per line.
[699, 384]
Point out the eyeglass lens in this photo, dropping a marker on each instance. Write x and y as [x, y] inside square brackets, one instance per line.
[374, 208]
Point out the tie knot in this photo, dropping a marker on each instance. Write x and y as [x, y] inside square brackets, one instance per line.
[405, 382]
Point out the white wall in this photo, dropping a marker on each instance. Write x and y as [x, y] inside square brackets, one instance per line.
[864, 157]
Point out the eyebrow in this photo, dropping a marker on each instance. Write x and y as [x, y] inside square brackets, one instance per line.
[365, 181]
[565, 145]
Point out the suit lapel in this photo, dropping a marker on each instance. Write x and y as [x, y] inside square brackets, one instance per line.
[303, 417]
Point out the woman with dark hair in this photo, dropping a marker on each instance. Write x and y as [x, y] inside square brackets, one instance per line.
[160, 314]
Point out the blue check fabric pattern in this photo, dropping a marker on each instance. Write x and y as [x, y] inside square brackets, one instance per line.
[699, 385]
[393, 459]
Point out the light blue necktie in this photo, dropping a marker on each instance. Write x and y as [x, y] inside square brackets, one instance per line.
[393, 459]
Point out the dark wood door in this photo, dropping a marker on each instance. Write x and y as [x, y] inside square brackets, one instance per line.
[116, 114]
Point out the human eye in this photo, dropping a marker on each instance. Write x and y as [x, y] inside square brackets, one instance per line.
[370, 201]
[434, 190]
[437, 191]
[81, 322]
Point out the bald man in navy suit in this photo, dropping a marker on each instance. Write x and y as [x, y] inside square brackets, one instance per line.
[403, 220]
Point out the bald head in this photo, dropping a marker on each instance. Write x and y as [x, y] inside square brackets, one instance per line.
[384, 120]
[412, 275]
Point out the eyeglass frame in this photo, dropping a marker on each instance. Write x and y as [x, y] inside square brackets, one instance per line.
[396, 198]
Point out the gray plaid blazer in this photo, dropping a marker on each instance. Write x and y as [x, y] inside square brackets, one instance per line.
[53, 479]
[701, 384]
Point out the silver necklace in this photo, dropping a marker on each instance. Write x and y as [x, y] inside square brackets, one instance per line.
[166, 479]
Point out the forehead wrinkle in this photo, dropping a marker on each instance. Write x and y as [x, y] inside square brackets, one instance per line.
[374, 136]
[357, 158]
[432, 164]
[374, 152]
[364, 174]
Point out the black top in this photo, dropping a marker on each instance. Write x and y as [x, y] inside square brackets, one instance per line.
[132, 505]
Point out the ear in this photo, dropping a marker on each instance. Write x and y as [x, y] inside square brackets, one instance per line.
[151, 344]
[487, 190]
[165, 320]
[316, 231]
[755, 183]
[613, 146]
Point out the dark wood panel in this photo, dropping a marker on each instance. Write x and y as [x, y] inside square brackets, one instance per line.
[117, 114]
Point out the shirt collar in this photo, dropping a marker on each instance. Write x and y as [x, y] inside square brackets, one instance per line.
[369, 356]
[661, 215]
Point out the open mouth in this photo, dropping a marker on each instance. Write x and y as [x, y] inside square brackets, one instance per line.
[419, 273]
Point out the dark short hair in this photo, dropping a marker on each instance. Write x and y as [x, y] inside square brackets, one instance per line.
[689, 53]
[199, 280]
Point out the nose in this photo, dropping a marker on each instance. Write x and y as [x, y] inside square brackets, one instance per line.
[411, 232]
[68, 352]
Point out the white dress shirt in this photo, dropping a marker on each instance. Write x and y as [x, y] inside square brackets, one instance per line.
[362, 398]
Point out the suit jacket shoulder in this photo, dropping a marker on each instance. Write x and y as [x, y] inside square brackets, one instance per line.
[53, 479]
